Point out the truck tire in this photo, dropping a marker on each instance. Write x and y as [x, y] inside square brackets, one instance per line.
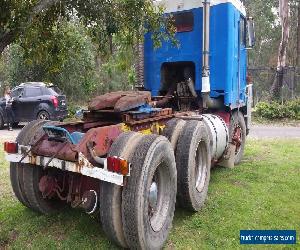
[172, 130]
[238, 128]
[31, 177]
[16, 169]
[193, 158]
[150, 194]
[111, 195]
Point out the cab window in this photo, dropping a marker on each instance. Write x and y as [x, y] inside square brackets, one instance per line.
[184, 22]
[243, 31]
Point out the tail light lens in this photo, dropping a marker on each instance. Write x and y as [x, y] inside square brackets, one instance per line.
[118, 165]
[54, 101]
[11, 147]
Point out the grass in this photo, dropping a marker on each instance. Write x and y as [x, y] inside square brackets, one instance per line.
[262, 193]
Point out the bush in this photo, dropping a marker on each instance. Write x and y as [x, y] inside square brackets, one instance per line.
[274, 110]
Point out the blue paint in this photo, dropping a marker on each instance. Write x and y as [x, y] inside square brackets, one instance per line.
[62, 133]
[146, 108]
[227, 58]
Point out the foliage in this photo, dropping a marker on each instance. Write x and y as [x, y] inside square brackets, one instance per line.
[85, 47]
[274, 110]
[262, 193]
[66, 59]
[103, 19]
[268, 34]
[69, 59]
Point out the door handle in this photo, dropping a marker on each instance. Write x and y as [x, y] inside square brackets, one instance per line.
[39, 99]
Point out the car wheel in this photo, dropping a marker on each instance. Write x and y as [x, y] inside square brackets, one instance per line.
[43, 115]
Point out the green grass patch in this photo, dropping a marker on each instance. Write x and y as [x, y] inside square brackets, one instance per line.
[262, 193]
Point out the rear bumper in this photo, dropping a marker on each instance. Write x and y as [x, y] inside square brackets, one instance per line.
[82, 166]
[59, 114]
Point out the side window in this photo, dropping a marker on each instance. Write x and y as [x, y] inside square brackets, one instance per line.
[33, 91]
[184, 22]
[17, 92]
[243, 31]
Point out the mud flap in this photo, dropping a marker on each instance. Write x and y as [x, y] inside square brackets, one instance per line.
[229, 157]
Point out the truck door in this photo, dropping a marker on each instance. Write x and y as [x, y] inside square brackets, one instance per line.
[242, 60]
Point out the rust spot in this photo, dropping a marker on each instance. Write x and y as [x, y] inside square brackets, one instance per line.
[120, 101]
[32, 160]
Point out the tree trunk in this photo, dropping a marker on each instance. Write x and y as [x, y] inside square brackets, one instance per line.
[298, 39]
[281, 62]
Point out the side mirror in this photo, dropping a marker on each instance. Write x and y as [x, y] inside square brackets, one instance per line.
[251, 32]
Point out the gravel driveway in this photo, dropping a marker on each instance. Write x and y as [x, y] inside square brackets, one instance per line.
[267, 131]
[257, 131]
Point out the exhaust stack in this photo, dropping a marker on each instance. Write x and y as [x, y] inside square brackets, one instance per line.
[208, 102]
[205, 48]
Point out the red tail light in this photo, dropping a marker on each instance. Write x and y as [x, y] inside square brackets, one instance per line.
[11, 147]
[54, 101]
[118, 165]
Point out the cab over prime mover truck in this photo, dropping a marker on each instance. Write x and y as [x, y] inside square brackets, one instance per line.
[135, 154]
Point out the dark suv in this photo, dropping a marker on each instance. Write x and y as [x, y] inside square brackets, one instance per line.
[35, 100]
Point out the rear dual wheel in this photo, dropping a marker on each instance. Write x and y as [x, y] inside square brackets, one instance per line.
[193, 158]
[146, 203]
[193, 161]
[111, 195]
[25, 177]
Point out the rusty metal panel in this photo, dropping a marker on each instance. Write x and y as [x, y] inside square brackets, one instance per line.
[120, 101]
[107, 100]
[50, 148]
[132, 100]
[102, 138]
[138, 118]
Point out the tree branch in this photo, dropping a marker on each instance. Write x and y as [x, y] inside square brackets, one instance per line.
[10, 36]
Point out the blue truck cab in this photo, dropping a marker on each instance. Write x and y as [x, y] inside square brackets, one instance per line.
[227, 53]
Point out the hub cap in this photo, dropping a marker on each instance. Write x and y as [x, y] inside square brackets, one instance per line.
[201, 166]
[159, 197]
[237, 138]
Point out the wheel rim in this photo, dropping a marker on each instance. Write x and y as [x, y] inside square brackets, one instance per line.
[159, 197]
[153, 195]
[201, 166]
[43, 116]
[237, 138]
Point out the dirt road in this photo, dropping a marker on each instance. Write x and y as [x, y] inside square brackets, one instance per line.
[261, 131]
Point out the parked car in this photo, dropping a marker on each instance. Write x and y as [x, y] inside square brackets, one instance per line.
[35, 100]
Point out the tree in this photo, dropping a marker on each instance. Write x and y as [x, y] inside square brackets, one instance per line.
[103, 18]
[66, 59]
[17, 16]
[298, 38]
[282, 60]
